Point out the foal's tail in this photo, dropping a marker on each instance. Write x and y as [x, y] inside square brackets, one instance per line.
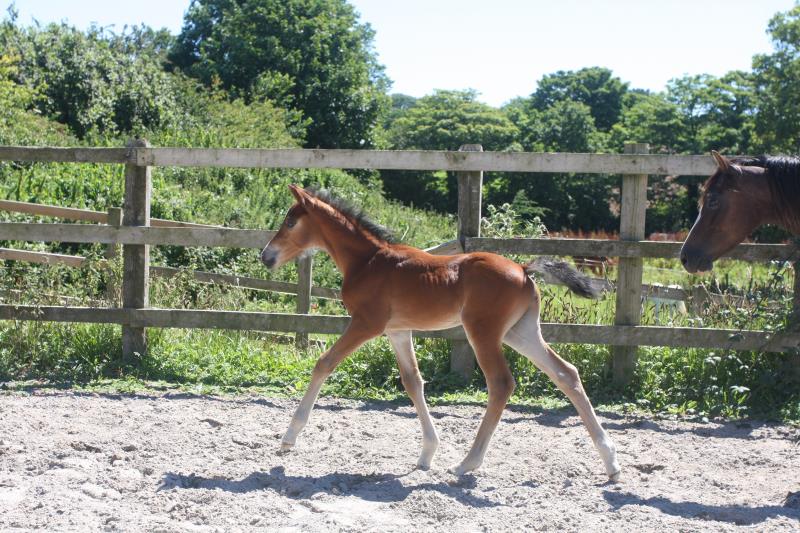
[561, 273]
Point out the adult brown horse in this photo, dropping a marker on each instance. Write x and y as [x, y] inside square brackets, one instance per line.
[393, 289]
[743, 194]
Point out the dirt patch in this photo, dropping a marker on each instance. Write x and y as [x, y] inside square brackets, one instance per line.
[77, 461]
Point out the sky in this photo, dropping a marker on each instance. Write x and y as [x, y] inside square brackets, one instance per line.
[501, 48]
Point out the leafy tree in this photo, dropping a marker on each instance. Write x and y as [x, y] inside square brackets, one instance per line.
[313, 55]
[716, 111]
[566, 126]
[777, 78]
[445, 120]
[595, 87]
[94, 81]
[650, 118]
[575, 201]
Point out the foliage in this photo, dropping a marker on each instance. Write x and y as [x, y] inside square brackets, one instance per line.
[652, 119]
[445, 120]
[716, 111]
[94, 81]
[777, 77]
[595, 87]
[312, 55]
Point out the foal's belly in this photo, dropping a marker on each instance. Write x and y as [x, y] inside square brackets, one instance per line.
[424, 314]
[401, 323]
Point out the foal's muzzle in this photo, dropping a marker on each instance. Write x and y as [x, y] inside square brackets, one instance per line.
[269, 257]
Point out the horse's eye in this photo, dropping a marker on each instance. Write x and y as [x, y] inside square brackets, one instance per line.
[290, 223]
[713, 202]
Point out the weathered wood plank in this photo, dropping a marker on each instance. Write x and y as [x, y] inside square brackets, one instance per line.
[64, 155]
[447, 248]
[243, 238]
[630, 269]
[88, 215]
[661, 164]
[470, 189]
[137, 235]
[305, 268]
[245, 282]
[94, 315]
[762, 341]
[42, 257]
[54, 211]
[136, 257]
[600, 247]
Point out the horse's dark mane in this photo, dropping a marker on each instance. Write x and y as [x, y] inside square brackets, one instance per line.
[352, 213]
[783, 178]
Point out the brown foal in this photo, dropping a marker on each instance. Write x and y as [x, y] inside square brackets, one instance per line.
[393, 289]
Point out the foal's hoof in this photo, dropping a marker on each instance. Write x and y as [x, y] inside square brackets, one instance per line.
[285, 448]
[461, 469]
[423, 464]
[615, 476]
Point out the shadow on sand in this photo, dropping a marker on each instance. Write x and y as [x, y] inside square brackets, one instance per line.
[374, 487]
[741, 515]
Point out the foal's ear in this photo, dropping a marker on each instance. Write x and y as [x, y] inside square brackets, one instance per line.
[722, 164]
[299, 194]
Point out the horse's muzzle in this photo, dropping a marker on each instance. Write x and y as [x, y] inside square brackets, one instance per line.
[695, 261]
[269, 257]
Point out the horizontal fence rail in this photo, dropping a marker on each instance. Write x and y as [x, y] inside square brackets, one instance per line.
[657, 164]
[609, 248]
[83, 233]
[331, 325]
[249, 238]
[88, 215]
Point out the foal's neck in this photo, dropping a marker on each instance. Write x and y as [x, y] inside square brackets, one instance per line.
[348, 244]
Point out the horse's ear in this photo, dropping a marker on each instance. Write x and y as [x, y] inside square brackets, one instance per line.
[299, 194]
[722, 164]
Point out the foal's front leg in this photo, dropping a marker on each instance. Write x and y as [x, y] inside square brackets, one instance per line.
[412, 381]
[356, 334]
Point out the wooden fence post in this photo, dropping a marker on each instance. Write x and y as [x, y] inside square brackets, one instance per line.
[304, 271]
[136, 258]
[629, 273]
[470, 185]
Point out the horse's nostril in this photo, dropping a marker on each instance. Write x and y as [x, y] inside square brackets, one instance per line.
[684, 259]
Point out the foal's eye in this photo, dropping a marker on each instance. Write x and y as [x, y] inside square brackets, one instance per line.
[290, 223]
[713, 202]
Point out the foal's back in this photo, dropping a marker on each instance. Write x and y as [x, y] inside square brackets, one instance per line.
[413, 289]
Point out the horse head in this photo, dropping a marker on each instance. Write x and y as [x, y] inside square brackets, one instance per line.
[730, 209]
[296, 234]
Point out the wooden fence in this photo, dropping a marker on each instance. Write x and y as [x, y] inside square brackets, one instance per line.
[136, 231]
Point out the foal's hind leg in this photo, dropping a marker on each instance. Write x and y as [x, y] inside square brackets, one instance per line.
[355, 335]
[526, 338]
[412, 381]
[499, 382]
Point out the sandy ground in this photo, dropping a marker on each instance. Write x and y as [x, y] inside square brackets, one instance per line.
[72, 461]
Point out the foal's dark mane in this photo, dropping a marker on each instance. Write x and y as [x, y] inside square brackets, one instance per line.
[353, 213]
[783, 178]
